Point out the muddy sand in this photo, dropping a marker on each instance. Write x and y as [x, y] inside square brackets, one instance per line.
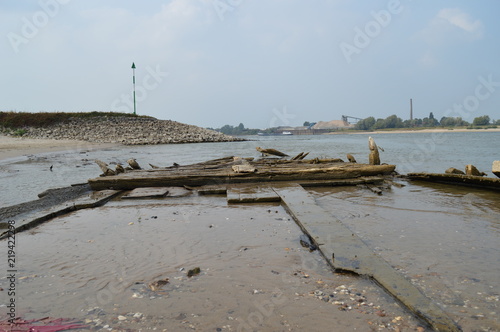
[124, 267]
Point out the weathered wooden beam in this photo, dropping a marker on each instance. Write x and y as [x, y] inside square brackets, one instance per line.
[345, 251]
[457, 179]
[200, 177]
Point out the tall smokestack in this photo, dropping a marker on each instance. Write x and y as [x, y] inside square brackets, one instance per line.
[411, 109]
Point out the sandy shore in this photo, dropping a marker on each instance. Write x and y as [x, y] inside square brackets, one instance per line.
[11, 147]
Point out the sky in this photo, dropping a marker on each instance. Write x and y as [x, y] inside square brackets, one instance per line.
[263, 63]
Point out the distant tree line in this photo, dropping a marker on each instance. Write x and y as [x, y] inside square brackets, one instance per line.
[238, 130]
[394, 121]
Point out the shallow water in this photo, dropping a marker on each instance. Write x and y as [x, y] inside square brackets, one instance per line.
[27, 176]
[95, 266]
[445, 239]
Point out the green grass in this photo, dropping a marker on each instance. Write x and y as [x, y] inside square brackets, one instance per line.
[19, 132]
[14, 120]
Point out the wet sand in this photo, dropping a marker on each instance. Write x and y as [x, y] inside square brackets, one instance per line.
[11, 147]
[98, 266]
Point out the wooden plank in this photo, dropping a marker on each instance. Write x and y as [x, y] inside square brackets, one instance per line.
[35, 218]
[458, 179]
[211, 190]
[251, 194]
[178, 192]
[345, 251]
[139, 193]
[343, 182]
[222, 189]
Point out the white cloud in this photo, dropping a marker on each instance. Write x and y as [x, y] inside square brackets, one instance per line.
[452, 24]
[462, 20]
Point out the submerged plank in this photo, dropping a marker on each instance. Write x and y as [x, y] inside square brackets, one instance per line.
[251, 194]
[35, 218]
[345, 251]
[146, 193]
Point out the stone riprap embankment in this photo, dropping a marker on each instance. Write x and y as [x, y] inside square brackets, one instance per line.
[127, 130]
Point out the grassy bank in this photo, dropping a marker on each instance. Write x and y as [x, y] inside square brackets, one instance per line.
[20, 120]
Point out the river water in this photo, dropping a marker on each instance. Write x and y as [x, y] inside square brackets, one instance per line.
[445, 239]
[23, 178]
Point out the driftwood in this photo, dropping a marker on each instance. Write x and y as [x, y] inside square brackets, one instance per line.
[374, 157]
[221, 171]
[453, 170]
[351, 158]
[458, 179]
[303, 156]
[119, 169]
[273, 152]
[106, 171]
[472, 170]
[133, 163]
[300, 156]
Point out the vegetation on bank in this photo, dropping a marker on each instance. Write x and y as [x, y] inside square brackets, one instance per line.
[238, 130]
[394, 122]
[19, 120]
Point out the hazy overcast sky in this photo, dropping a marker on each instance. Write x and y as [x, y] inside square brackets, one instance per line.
[260, 62]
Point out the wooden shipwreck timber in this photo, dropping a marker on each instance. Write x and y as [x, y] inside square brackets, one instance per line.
[232, 170]
[458, 179]
[244, 180]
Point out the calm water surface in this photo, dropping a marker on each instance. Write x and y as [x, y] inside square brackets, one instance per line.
[22, 179]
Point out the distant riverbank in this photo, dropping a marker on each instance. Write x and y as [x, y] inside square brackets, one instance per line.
[409, 131]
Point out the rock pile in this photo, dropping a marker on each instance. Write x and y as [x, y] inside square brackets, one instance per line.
[128, 130]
